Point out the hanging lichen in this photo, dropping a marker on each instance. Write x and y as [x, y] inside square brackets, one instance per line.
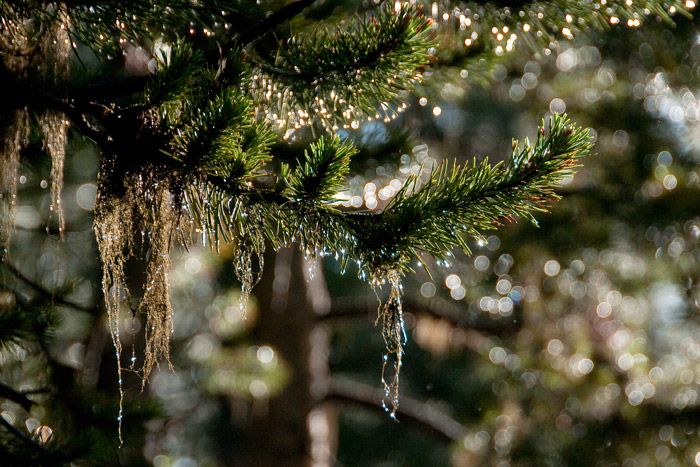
[15, 139]
[33, 50]
[55, 129]
[143, 204]
[113, 228]
[156, 297]
[394, 332]
[53, 124]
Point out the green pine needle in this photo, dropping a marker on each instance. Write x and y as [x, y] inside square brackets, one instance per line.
[322, 174]
[177, 74]
[349, 74]
[461, 202]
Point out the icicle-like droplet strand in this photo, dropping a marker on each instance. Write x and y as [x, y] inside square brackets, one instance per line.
[394, 333]
[252, 245]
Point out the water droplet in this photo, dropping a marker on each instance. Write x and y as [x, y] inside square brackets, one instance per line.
[43, 434]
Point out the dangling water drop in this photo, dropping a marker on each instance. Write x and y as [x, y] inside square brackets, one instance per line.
[394, 332]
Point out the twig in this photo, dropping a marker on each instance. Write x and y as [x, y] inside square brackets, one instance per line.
[436, 308]
[37, 391]
[15, 396]
[282, 15]
[409, 410]
[112, 87]
[44, 453]
[475, 335]
[22, 94]
[56, 299]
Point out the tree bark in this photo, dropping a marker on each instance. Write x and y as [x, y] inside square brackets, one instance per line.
[291, 428]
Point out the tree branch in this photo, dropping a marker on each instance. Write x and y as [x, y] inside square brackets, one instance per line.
[18, 94]
[117, 86]
[56, 299]
[15, 396]
[410, 410]
[476, 333]
[47, 457]
[282, 15]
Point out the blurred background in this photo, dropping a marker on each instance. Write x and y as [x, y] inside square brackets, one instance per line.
[575, 342]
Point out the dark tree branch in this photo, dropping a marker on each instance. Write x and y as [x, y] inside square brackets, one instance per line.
[15, 396]
[37, 391]
[439, 309]
[113, 87]
[410, 410]
[282, 15]
[76, 112]
[18, 94]
[47, 457]
[56, 299]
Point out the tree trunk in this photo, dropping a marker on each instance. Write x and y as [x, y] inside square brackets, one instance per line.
[291, 428]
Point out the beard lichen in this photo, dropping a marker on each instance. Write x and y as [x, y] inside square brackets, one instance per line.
[16, 136]
[390, 314]
[156, 297]
[143, 204]
[30, 50]
[55, 131]
[53, 124]
[113, 228]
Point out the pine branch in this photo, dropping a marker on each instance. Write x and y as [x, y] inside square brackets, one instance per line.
[107, 25]
[321, 177]
[197, 130]
[177, 75]
[457, 203]
[348, 75]
[410, 410]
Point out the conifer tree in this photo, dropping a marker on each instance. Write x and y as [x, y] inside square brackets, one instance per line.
[198, 111]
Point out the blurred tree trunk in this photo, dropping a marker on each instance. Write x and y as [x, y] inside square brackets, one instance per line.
[291, 428]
